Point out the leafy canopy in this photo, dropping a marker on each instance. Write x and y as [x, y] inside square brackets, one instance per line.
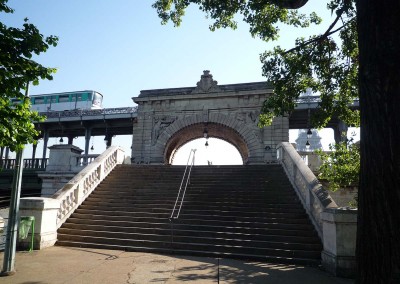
[17, 69]
[327, 63]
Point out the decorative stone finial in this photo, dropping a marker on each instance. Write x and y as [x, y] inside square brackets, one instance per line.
[206, 84]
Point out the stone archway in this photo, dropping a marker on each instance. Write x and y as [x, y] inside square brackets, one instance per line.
[243, 136]
[169, 118]
[214, 130]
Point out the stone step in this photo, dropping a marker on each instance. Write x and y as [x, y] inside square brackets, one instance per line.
[196, 200]
[266, 235]
[276, 229]
[232, 240]
[268, 208]
[230, 248]
[276, 217]
[266, 223]
[175, 251]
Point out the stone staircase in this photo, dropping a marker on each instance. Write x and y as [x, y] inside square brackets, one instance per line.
[248, 212]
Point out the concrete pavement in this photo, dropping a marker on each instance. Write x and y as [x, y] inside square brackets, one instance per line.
[81, 265]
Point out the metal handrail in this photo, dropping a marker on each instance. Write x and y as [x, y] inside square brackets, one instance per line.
[173, 216]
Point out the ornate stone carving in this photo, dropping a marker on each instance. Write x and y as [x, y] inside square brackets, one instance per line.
[160, 123]
[241, 116]
[206, 84]
[248, 117]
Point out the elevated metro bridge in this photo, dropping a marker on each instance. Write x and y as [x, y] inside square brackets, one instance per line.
[165, 119]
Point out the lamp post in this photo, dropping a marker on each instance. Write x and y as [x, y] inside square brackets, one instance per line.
[12, 227]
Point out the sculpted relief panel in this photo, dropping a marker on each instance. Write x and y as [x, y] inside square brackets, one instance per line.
[160, 123]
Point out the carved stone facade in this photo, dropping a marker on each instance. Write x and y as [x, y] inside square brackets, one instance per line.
[169, 118]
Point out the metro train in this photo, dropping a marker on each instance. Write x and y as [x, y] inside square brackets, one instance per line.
[67, 101]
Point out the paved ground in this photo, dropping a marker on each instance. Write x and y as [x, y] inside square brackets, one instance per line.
[80, 265]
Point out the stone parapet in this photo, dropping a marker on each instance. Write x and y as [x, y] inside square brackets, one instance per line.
[339, 240]
[313, 196]
[44, 210]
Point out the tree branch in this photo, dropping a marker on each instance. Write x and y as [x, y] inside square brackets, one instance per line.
[327, 33]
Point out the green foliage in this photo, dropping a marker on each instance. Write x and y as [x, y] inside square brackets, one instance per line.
[341, 166]
[261, 15]
[326, 63]
[17, 69]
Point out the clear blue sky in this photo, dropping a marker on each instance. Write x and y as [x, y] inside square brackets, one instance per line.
[119, 48]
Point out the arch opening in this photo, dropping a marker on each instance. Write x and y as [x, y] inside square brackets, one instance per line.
[222, 133]
[218, 152]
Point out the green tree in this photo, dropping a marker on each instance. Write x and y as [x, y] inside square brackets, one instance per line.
[341, 166]
[17, 69]
[362, 61]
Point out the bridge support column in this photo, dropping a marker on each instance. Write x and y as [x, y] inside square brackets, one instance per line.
[45, 141]
[7, 154]
[88, 133]
[34, 147]
[70, 140]
[340, 132]
[108, 140]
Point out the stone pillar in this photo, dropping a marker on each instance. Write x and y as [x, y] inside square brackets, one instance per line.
[63, 158]
[45, 212]
[7, 154]
[340, 132]
[339, 240]
[62, 167]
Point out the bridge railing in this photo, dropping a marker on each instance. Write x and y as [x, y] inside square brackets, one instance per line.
[90, 112]
[313, 196]
[34, 164]
[78, 189]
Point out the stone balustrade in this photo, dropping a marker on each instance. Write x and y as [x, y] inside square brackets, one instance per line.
[314, 197]
[78, 188]
[337, 227]
[51, 213]
[83, 160]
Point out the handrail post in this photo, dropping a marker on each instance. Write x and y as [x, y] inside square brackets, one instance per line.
[171, 221]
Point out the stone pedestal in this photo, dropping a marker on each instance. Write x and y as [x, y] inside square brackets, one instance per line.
[63, 158]
[62, 166]
[45, 212]
[339, 240]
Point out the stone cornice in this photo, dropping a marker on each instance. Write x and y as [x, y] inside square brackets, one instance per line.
[243, 89]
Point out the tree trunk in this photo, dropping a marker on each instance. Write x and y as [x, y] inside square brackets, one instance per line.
[378, 233]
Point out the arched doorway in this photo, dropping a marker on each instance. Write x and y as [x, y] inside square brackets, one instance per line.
[200, 130]
[217, 152]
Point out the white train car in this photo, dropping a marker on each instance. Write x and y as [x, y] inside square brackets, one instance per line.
[67, 101]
